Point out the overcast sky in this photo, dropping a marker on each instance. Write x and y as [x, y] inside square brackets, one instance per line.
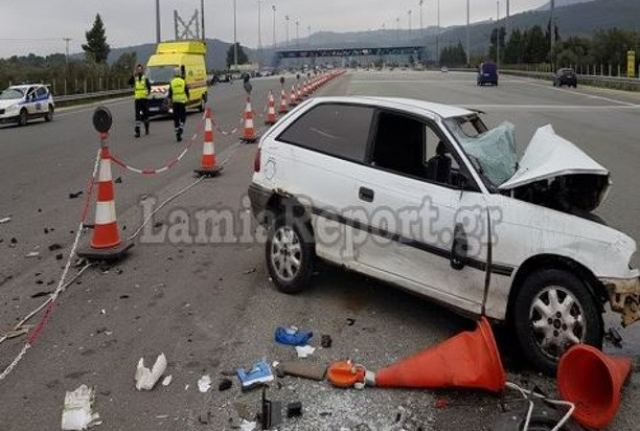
[39, 25]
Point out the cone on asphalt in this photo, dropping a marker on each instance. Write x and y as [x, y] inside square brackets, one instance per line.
[467, 360]
[209, 163]
[284, 108]
[105, 241]
[293, 100]
[592, 381]
[249, 134]
[298, 93]
[271, 119]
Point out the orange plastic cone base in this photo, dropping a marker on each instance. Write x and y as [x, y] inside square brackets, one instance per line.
[343, 374]
[209, 161]
[592, 381]
[105, 236]
[467, 360]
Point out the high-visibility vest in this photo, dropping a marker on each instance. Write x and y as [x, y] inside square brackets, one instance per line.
[178, 90]
[140, 88]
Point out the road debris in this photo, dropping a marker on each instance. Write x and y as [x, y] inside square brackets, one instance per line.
[326, 341]
[54, 247]
[24, 330]
[292, 336]
[305, 351]
[249, 271]
[75, 195]
[302, 369]
[294, 410]
[204, 383]
[5, 220]
[77, 414]
[225, 384]
[350, 321]
[32, 254]
[245, 425]
[614, 337]
[147, 378]
[259, 374]
[167, 380]
[271, 412]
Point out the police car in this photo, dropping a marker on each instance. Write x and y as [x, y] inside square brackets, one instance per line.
[20, 103]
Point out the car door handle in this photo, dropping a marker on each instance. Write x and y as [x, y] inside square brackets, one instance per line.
[366, 194]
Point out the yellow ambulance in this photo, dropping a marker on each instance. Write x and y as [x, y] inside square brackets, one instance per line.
[189, 56]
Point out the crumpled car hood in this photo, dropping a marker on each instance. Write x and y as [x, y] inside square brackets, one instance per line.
[549, 156]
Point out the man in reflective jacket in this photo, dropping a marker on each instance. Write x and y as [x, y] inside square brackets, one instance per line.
[141, 90]
[179, 96]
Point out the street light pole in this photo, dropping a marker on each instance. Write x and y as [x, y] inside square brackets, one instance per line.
[409, 14]
[275, 44]
[297, 33]
[468, 32]
[286, 18]
[158, 36]
[420, 3]
[235, 35]
[498, 36]
[202, 18]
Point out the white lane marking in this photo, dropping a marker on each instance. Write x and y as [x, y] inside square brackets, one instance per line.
[577, 93]
[422, 81]
[551, 107]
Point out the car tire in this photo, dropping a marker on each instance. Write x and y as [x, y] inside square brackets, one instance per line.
[23, 118]
[290, 259]
[203, 104]
[48, 117]
[540, 316]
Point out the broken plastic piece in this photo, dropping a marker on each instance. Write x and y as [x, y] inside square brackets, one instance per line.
[5, 220]
[326, 341]
[302, 369]
[305, 351]
[292, 336]
[260, 373]
[294, 410]
[225, 384]
[204, 383]
[271, 414]
[77, 414]
[167, 380]
[147, 378]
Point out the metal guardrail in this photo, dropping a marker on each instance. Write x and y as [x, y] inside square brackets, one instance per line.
[70, 98]
[597, 80]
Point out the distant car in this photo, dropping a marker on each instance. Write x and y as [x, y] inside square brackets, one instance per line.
[444, 69]
[565, 76]
[487, 74]
[426, 197]
[21, 103]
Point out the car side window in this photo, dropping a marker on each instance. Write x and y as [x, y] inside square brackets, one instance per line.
[336, 129]
[42, 92]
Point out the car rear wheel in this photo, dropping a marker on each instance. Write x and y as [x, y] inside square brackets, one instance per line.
[49, 115]
[290, 259]
[553, 311]
[203, 104]
[23, 119]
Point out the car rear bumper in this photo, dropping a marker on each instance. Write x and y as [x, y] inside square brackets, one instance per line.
[624, 297]
[259, 197]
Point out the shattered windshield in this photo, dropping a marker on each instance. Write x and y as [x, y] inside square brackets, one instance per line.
[11, 94]
[493, 152]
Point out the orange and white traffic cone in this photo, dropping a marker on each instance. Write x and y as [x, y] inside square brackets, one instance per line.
[105, 242]
[284, 108]
[271, 111]
[249, 134]
[299, 93]
[209, 164]
[293, 100]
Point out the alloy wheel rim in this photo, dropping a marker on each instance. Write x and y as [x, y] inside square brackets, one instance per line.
[286, 253]
[557, 321]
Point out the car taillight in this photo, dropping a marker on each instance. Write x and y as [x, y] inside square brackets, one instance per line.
[256, 162]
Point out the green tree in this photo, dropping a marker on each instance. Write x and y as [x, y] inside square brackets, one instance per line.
[494, 43]
[242, 56]
[125, 64]
[514, 49]
[453, 56]
[536, 47]
[96, 49]
[611, 46]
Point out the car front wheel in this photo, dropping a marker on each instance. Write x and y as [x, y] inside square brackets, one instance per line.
[290, 259]
[23, 118]
[553, 311]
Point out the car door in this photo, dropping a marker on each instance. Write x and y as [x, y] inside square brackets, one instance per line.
[426, 219]
[318, 159]
[30, 103]
[41, 100]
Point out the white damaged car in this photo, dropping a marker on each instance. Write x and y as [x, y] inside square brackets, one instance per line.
[425, 197]
[21, 103]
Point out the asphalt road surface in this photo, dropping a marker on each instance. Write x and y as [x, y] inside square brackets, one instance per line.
[211, 308]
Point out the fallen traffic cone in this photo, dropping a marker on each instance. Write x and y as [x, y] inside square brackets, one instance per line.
[249, 134]
[344, 374]
[209, 165]
[271, 111]
[468, 360]
[283, 102]
[105, 241]
[592, 381]
[293, 100]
